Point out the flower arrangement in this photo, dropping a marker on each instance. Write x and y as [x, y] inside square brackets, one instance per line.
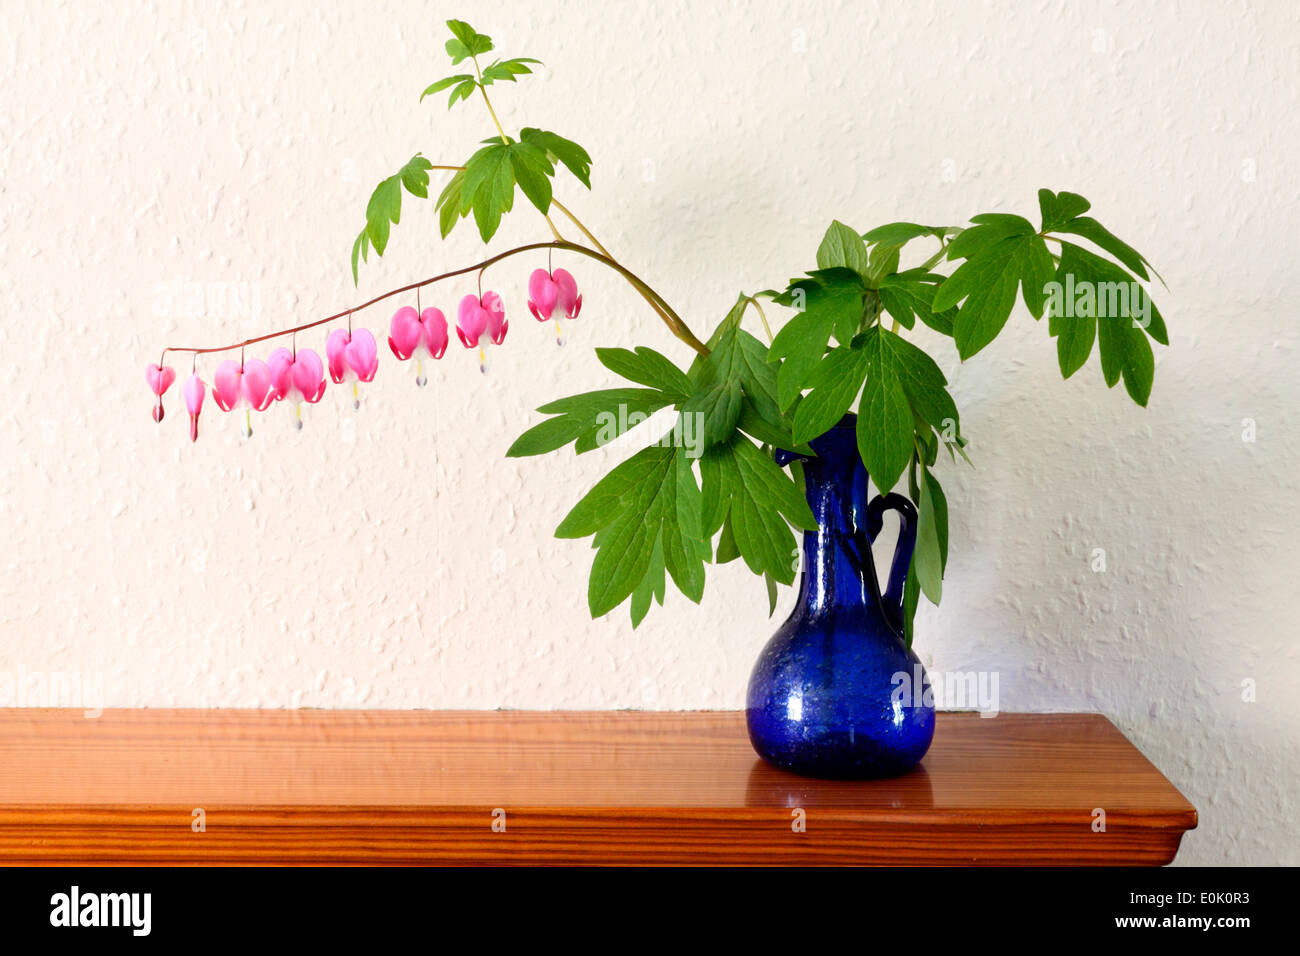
[711, 490]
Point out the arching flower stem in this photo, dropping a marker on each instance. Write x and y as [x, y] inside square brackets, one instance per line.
[661, 307]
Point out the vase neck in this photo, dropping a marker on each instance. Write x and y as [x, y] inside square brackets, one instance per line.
[835, 556]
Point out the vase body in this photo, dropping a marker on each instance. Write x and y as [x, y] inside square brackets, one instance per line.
[836, 692]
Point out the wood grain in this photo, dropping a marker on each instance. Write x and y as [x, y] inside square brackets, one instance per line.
[360, 787]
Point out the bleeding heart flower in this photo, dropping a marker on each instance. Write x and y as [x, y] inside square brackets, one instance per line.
[418, 334]
[352, 353]
[553, 295]
[194, 391]
[160, 378]
[299, 376]
[479, 316]
[547, 290]
[246, 384]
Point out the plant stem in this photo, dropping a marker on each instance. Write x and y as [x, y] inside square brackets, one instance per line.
[654, 300]
[577, 222]
[753, 300]
[671, 318]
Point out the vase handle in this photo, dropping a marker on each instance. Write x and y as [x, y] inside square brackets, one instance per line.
[892, 600]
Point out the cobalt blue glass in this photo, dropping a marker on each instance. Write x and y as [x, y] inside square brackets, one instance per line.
[836, 691]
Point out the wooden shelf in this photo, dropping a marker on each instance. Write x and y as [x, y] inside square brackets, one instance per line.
[365, 787]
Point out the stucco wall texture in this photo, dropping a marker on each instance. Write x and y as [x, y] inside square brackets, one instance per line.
[192, 174]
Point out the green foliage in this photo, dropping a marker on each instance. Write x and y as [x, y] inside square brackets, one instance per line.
[385, 207]
[466, 42]
[835, 354]
[485, 187]
[1002, 253]
[562, 150]
[744, 490]
[649, 504]
[649, 516]
[711, 491]
[735, 386]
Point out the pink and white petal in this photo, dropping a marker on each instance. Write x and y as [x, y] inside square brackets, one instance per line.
[542, 293]
[404, 332]
[194, 391]
[308, 375]
[256, 385]
[361, 355]
[227, 385]
[435, 331]
[566, 292]
[471, 320]
[496, 316]
[335, 348]
[159, 378]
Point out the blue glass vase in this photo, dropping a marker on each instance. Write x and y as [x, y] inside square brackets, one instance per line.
[836, 691]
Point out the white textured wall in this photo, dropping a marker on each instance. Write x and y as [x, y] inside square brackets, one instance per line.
[392, 558]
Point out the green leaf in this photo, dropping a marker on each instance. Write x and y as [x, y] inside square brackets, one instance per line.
[827, 303]
[533, 172]
[466, 42]
[385, 207]
[718, 395]
[931, 554]
[910, 294]
[884, 416]
[589, 420]
[746, 492]
[462, 31]
[765, 482]
[1059, 209]
[649, 501]
[360, 248]
[841, 247]
[911, 597]
[762, 538]
[448, 204]
[647, 367]
[1074, 334]
[462, 92]
[685, 548]
[415, 177]
[900, 233]
[735, 372]
[727, 551]
[1099, 235]
[573, 156]
[444, 83]
[599, 507]
[923, 382]
[652, 584]
[883, 261]
[507, 70]
[771, 594]
[769, 427]
[835, 383]
[1096, 296]
[987, 281]
[990, 229]
[489, 187]
[1126, 352]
